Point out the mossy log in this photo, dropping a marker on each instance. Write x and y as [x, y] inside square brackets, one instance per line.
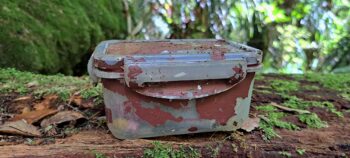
[285, 134]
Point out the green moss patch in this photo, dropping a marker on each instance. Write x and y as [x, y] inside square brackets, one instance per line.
[297, 103]
[272, 120]
[268, 130]
[13, 81]
[283, 86]
[267, 108]
[275, 120]
[311, 87]
[259, 77]
[337, 82]
[274, 116]
[312, 120]
[285, 154]
[300, 151]
[53, 36]
[161, 150]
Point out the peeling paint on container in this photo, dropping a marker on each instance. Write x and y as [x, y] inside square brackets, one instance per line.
[170, 87]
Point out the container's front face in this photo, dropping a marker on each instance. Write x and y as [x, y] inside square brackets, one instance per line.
[172, 87]
[133, 115]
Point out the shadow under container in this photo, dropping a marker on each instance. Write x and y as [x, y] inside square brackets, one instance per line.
[170, 87]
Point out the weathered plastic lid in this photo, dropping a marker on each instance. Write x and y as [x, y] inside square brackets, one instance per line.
[174, 69]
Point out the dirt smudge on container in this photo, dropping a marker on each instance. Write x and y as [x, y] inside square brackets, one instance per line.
[223, 109]
[193, 129]
[217, 56]
[134, 70]
[154, 116]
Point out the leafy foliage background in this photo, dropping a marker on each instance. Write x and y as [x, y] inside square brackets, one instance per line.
[59, 35]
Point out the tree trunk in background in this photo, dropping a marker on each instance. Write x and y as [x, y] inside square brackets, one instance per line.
[54, 36]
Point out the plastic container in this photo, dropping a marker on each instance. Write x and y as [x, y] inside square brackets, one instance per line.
[170, 87]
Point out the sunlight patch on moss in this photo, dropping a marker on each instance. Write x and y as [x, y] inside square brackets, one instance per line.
[311, 87]
[300, 151]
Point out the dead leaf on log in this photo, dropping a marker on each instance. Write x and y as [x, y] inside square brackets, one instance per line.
[46, 103]
[23, 98]
[250, 124]
[25, 109]
[42, 110]
[79, 101]
[61, 117]
[21, 104]
[76, 100]
[34, 116]
[20, 127]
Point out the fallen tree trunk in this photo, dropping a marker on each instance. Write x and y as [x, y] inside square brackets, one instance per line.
[305, 141]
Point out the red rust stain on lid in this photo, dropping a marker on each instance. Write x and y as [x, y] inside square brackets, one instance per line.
[134, 70]
[193, 129]
[137, 59]
[217, 56]
[108, 115]
[118, 67]
[253, 65]
[237, 70]
[156, 47]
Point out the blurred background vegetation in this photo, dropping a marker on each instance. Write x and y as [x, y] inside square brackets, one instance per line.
[58, 36]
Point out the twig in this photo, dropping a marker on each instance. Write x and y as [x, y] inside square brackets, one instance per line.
[94, 115]
[74, 108]
[290, 109]
[8, 115]
[264, 118]
[71, 99]
[128, 17]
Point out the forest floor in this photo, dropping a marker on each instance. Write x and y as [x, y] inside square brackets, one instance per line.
[60, 116]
